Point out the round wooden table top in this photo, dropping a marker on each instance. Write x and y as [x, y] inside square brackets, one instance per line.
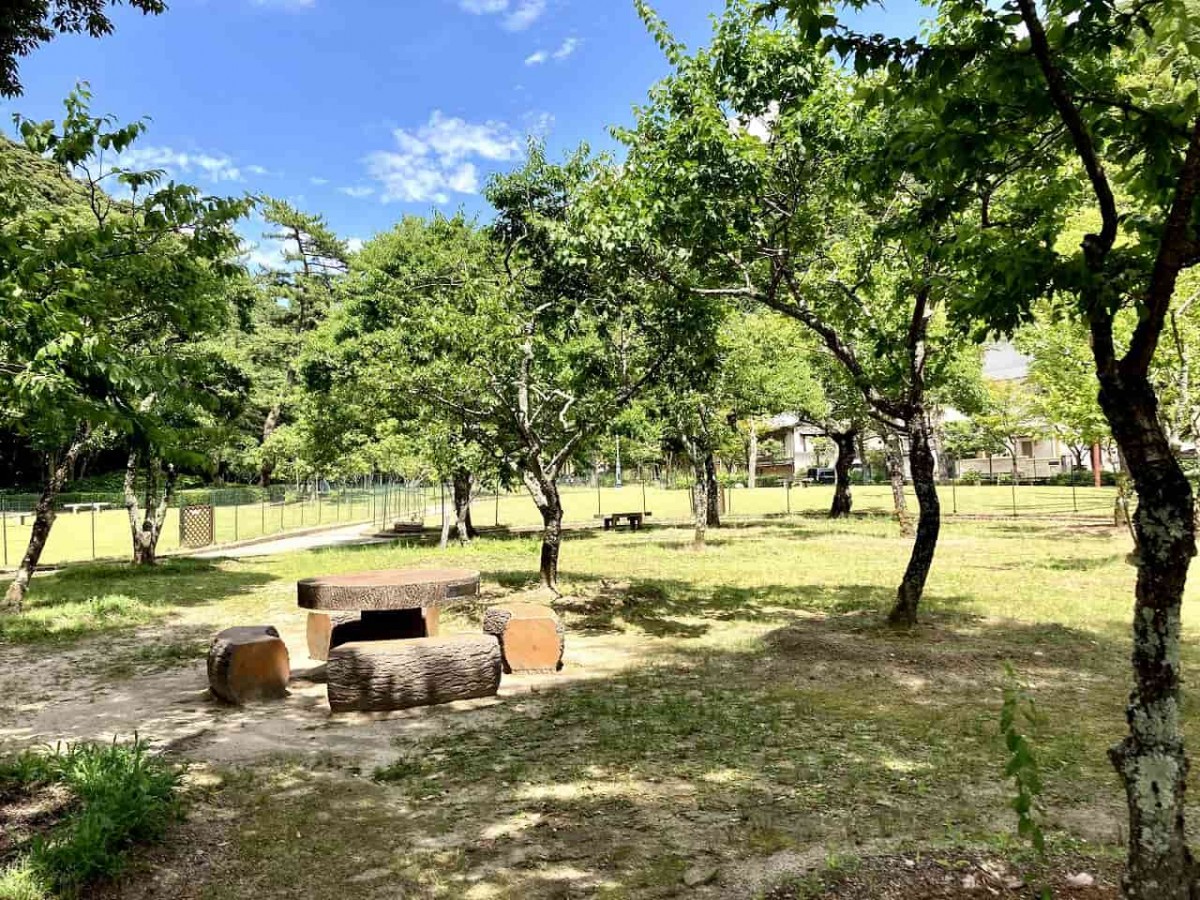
[387, 590]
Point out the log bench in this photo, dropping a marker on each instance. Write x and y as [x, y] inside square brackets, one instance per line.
[379, 606]
[382, 676]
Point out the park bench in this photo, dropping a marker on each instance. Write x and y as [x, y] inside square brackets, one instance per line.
[95, 507]
[635, 519]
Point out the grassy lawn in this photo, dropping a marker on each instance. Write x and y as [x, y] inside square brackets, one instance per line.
[758, 733]
[105, 535]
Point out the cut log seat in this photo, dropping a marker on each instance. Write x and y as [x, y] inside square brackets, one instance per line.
[248, 663]
[532, 637]
[380, 676]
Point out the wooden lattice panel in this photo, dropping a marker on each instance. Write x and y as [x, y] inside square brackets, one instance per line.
[197, 526]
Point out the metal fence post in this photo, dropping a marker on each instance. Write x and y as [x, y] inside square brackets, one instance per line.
[1074, 490]
[954, 487]
[237, 509]
[643, 495]
[788, 493]
[4, 524]
[93, 531]
[263, 513]
[497, 506]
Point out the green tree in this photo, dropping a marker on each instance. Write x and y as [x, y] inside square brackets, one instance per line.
[524, 330]
[27, 24]
[294, 298]
[1062, 377]
[92, 292]
[756, 158]
[1008, 415]
[1096, 102]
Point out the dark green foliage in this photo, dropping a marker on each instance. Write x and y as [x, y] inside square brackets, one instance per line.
[25, 24]
[123, 795]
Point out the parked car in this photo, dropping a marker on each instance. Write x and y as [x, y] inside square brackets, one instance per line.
[822, 476]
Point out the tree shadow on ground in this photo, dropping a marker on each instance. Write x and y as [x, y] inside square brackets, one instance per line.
[666, 607]
[90, 600]
[730, 769]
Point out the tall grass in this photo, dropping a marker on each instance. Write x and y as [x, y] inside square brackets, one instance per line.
[123, 796]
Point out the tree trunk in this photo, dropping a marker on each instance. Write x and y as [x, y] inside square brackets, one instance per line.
[446, 522]
[269, 426]
[929, 524]
[752, 461]
[1151, 760]
[712, 491]
[43, 520]
[544, 490]
[146, 526]
[700, 503]
[842, 499]
[895, 467]
[463, 489]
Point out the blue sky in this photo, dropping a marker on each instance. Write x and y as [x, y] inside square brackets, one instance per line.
[365, 110]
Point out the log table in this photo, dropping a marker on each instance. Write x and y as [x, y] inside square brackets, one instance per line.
[379, 606]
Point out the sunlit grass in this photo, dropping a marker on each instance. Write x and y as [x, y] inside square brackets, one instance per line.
[765, 709]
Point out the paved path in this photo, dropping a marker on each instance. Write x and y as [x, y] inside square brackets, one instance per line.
[351, 536]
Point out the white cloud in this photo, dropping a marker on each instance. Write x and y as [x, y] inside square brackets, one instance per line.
[440, 158]
[524, 13]
[258, 170]
[565, 51]
[569, 46]
[538, 124]
[211, 167]
[358, 192]
[515, 15]
[354, 244]
[319, 182]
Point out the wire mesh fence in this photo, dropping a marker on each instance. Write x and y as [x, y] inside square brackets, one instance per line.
[584, 504]
[96, 525]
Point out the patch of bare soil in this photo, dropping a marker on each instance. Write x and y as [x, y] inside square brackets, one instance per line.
[26, 812]
[960, 877]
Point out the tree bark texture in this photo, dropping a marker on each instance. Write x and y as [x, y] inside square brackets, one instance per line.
[895, 467]
[392, 675]
[146, 525]
[713, 488]
[464, 484]
[843, 500]
[43, 519]
[1151, 761]
[700, 501]
[544, 491]
[929, 524]
[269, 425]
[752, 467]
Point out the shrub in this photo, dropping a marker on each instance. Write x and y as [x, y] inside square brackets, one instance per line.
[124, 796]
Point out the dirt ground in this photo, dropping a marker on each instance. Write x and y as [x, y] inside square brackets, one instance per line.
[722, 728]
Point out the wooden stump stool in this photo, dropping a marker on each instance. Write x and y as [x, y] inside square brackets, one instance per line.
[248, 663]
[532, 637]
[380, 676]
